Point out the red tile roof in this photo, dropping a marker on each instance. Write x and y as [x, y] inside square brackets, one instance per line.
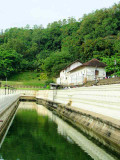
[92, 63]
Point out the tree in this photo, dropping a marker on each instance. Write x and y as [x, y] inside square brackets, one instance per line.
[96, 35]
[113, 64]
[56, 62]
[9, 62]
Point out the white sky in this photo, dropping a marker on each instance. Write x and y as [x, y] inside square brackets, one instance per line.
[18, 13]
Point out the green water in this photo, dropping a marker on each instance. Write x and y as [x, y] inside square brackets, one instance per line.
[37, 134]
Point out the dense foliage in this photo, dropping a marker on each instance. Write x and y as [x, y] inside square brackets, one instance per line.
[96, 35]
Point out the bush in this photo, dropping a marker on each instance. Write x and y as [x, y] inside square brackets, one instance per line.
[43, 76]
[48, 82]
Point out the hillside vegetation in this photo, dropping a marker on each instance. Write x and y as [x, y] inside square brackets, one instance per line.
[48, 50]
[29, 80]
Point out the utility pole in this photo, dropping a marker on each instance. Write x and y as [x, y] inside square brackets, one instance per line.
[8, 89]
[115, 63]
[5, 89]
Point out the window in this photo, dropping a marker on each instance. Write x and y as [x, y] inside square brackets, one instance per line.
[96, 72]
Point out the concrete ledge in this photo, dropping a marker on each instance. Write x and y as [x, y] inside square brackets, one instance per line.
[28, 98]
[6, 117]
[97, 126]
[102, 100]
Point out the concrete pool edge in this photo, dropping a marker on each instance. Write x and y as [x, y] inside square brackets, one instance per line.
[106, 132]
[103, 130]
[6, 119]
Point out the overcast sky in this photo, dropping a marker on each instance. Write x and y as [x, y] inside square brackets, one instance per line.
[18, 13]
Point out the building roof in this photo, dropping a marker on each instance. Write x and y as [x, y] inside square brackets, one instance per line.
[92, 63]
[71, 64]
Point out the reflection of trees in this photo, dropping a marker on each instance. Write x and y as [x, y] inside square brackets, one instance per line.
[33, 137]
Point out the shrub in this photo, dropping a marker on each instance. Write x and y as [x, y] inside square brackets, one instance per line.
[49, 81]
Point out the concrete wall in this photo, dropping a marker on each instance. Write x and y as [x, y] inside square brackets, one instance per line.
[27, 92]
[94, 110]
[7, 100]
[103, 100]
[8, 107]
[68, 131]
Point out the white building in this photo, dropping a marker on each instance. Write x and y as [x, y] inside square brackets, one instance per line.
[78, 73]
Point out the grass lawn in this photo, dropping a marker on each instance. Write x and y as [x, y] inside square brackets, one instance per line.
[28, 80]
[25, 76]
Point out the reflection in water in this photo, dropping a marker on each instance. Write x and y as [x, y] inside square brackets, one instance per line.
[72, 134]
[38, 134]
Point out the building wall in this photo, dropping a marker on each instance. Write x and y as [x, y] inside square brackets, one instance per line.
[91, 73]
[81, 75]
[72, 66]
[75, 65]
[62, 77]
[87, 74]
[77, 77]
[64, 74]
[58, 80]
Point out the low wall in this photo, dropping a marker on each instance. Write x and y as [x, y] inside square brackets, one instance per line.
[94, 110]
[103, 100]
[8, 107]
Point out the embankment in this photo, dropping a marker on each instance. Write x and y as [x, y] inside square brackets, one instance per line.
[8, 107]
[94, 110]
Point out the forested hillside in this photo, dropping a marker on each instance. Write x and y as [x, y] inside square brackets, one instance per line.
[96, 35]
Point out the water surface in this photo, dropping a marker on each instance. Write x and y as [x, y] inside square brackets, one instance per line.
[37, 134]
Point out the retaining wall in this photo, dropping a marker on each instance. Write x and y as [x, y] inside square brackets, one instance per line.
[8, 107]
[95, 110]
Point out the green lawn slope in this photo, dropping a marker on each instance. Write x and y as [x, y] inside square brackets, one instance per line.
[29, 80]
